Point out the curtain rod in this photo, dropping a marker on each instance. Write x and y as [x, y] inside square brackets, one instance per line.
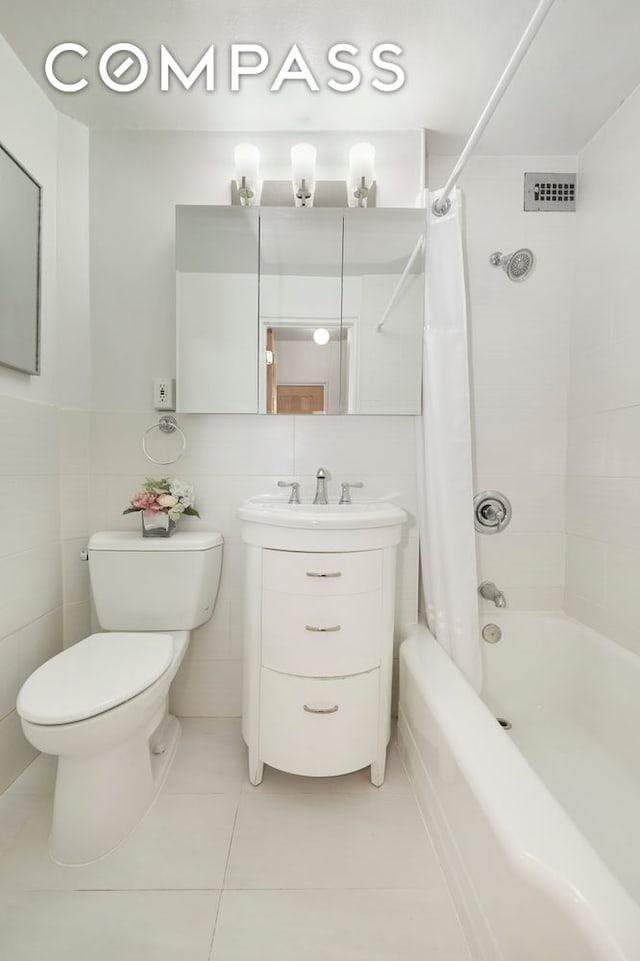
[442, 204]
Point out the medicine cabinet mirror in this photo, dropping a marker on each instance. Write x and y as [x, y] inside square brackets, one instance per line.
[288, 310]
[19, 267]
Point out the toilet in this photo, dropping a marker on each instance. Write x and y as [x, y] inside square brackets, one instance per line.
[101, 706]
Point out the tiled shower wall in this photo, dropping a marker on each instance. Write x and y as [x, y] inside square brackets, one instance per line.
[519, 341]
[603, 465]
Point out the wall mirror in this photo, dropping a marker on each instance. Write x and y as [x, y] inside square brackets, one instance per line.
[305, 311]
[20, 202]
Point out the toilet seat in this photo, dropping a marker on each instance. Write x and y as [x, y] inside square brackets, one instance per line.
[93, 676]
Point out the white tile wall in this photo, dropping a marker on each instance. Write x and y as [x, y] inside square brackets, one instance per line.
[39, 448]
[137, 179]
[30, 577]
[519, 342]
[603, 463]
[228, 459]
[74, 520]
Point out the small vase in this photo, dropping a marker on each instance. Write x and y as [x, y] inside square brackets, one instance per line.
[157, 524]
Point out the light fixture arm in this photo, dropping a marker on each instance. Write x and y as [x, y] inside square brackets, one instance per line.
[361, 193]
[302, 194]
[245, 193]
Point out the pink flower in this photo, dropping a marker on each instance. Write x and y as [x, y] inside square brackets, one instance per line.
[145, 501]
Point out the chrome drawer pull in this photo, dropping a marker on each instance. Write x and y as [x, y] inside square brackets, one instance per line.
[320, 710]
[330, 574]
[323, 630]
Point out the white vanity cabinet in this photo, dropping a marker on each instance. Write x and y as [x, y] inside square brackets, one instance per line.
[318, 649]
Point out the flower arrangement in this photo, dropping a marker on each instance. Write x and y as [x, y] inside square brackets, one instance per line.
[172, 497]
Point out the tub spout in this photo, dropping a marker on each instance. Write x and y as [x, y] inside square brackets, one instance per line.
[490, 592]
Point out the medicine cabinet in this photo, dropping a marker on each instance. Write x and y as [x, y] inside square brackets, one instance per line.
[299, 310]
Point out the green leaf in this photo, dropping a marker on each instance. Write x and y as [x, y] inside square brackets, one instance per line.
[132, 510]
[191, 511]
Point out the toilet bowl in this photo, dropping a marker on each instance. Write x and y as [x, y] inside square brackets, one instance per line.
[101, 706]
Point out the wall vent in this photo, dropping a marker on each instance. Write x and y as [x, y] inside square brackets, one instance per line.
[549, 191]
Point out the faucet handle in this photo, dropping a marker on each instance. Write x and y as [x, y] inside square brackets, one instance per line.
[345, 496]
[294, 497]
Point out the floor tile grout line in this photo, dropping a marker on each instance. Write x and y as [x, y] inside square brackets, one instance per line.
[215, 925]
[233, 831]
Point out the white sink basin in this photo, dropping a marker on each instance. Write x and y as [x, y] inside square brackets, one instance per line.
[269, 521]
[268, 509]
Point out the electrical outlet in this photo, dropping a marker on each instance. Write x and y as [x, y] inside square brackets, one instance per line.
[164, 393]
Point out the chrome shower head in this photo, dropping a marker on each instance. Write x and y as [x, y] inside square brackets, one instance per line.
[517, 265]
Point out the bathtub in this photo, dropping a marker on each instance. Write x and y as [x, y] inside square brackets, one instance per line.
[537, 827]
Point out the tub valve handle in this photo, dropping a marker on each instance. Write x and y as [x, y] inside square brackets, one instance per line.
[492, 512]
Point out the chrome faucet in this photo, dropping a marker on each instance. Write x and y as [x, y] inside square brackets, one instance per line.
[345, 488]
[322, 476]
[294, 497]
[490, 592]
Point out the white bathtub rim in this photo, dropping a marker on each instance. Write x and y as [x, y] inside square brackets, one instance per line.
[477, 930]
[600, 640]
[566, 866]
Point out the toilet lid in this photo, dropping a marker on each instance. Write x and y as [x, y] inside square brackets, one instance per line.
[96, 674]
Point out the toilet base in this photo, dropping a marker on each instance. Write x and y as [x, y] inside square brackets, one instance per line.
[99, 800]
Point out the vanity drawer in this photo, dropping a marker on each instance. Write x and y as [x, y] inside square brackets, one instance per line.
[318, 727]
[296, 572]
[320, 636]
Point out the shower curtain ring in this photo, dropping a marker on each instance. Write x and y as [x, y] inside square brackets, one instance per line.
[440, 207]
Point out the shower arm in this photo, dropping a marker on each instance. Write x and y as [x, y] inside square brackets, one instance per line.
[405, 273]
[442, 204]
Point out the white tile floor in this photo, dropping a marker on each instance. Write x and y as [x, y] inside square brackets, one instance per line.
[321, 869]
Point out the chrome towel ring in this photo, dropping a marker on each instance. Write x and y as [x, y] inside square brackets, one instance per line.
[168, 425]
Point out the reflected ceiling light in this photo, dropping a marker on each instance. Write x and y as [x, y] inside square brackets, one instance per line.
[361, 162]
[303, 173]
[321, 335]
[247, 167]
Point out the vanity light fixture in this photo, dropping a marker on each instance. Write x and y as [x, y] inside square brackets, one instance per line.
[303, 173]
[321, 335]
[356, 189]
[247, 167]
[361, 162]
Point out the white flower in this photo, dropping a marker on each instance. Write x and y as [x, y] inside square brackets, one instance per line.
[183, 492]
[167, 500]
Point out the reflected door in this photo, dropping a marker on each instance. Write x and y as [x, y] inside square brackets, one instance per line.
[301, 398]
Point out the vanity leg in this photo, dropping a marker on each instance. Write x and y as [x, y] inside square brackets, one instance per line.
[377, 769]
[256, 769]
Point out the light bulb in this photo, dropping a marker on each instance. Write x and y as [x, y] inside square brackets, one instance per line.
[321, 335]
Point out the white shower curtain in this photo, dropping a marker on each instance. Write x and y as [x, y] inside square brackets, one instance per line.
[445, 486]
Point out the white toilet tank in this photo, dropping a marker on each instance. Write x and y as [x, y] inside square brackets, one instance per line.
[154, 583]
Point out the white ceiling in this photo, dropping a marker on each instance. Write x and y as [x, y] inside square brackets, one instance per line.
[584, 62]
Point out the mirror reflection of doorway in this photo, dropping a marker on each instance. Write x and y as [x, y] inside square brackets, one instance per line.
[306, 366]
